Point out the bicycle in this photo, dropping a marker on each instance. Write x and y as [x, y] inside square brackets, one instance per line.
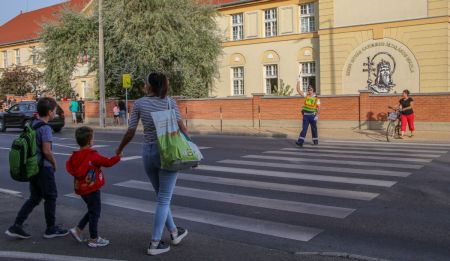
[395, 124]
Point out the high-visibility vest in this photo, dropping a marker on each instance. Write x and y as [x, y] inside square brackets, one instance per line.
[310, 104]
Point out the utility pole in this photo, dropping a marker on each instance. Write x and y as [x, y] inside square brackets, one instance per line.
[101, 65]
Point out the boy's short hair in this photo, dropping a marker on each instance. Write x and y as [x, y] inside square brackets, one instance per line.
[83, 135]
[45, 105]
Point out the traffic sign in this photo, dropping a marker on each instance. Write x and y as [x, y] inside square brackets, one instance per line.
[126, 81]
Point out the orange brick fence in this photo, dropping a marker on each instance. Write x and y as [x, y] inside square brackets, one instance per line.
[364, 111]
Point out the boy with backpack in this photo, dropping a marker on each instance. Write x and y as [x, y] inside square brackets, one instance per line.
[85, 166]
[42, 185]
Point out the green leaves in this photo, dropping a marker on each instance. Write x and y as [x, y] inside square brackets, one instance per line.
[19, 80]
[179, 38]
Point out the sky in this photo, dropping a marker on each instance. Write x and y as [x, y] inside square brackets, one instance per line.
[11, 8]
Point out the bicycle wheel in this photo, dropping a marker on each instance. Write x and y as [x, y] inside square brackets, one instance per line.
[390, 131]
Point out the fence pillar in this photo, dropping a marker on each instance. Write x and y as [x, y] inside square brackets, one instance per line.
[256, 108]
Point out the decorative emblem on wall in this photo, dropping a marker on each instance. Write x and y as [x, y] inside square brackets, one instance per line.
[380, 71]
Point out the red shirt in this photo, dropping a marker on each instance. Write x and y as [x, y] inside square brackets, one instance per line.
[85, 166]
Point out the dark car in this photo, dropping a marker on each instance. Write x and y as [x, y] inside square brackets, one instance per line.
[24, 112]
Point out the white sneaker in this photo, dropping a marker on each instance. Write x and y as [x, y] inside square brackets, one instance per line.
[99, 242]
[182, 233]
[76, 233]
[154, 249]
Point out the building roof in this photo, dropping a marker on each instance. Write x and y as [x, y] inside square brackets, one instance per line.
[27, 26]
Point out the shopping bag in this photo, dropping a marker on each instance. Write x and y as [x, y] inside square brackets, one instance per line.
[176, 151]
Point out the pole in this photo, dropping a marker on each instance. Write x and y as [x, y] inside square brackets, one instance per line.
[126, 106]
[101, 65]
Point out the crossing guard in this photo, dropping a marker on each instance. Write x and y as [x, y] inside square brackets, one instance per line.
[310, 113]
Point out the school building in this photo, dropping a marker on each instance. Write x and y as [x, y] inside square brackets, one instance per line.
[340, 46]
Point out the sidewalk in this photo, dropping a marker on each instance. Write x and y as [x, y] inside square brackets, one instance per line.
[292, 133]
[129, 239]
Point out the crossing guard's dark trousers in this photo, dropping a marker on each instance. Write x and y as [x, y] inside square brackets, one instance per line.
[42, 186]
[308, 119]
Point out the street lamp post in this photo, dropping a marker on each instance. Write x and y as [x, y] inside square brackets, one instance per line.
[101, 64]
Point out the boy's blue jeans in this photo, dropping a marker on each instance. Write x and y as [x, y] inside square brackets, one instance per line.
[163, 182]
[42, 186]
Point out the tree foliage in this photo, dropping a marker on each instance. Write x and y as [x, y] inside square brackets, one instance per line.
[283, 89]
[179, 38]
[20, 80]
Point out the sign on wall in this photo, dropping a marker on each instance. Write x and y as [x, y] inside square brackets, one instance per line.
[381, 66]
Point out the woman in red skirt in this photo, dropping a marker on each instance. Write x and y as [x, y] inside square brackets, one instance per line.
[407, 113]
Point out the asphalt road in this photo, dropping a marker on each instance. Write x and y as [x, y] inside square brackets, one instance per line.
[266, 199]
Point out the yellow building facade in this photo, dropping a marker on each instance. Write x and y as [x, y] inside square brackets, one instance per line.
[339, 46]
[25, 52]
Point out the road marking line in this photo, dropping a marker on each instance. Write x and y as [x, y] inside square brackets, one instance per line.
[100, 146]
[339, 162]
[10, 192]
[389, 143]
[319, 168]
[66, 146]
[412, 154]
[329, 155]
[302, 176]
[204, 148]
[356, 148]
[276, 204]
[130, 158]
[48, 257]
[317, 191]
[2, 148]
[63, 154]
[264, 227]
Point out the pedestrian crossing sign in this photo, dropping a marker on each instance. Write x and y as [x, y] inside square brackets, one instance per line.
[126, 81]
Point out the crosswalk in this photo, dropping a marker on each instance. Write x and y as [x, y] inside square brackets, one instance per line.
[330, 181]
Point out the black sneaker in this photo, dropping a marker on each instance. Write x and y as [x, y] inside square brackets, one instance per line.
[156, 250]
[299, 144]
[182, 233]
[55, 231]
[17, 232]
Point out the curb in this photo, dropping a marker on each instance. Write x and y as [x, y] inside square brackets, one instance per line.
[341, 255]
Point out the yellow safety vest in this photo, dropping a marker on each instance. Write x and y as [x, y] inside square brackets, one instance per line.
[310, 104]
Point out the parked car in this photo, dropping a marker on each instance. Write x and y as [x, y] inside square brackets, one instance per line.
[24, 112]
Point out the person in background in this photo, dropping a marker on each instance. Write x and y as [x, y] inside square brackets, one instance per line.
[123, 111]
[81, 109]
[74, 109]
[407, 114]
[310, 113]
[116, 113]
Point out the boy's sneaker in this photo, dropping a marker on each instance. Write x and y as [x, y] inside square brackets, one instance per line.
[76, 233]
[99, 242]
[182, 233]
[55, 231]
[17, 232]
[154, 249]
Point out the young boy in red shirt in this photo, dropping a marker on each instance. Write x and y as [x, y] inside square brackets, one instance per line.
[85, 166]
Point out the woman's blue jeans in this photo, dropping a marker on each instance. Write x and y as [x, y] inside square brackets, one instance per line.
[163, 182]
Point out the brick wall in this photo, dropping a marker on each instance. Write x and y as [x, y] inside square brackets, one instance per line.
[361, 110]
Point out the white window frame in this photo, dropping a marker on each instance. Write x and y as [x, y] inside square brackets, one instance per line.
[237, 82]
[237, 21]
[5, 59]
[34, 57]
[270, 73]
[270, 22]
[307, 71]
[308, 18]
[17, 52]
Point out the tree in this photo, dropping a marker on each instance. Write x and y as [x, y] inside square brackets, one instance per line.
[283, 90]
[20, 80]
[179, 38]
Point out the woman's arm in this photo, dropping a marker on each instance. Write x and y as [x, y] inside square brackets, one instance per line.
[125, 140]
